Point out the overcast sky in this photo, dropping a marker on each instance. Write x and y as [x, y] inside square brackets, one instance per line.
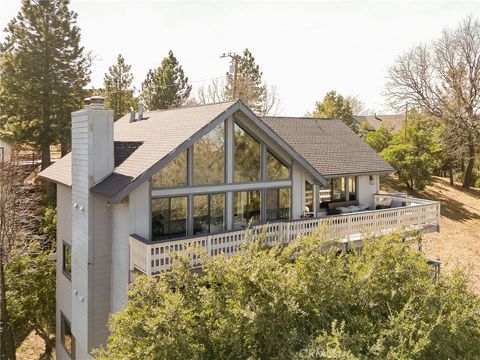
[304, 48]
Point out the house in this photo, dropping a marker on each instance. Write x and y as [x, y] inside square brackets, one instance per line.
[373, 122]
[131, 194]
[5, 151]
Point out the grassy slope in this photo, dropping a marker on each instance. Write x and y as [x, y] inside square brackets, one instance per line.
[458, 243]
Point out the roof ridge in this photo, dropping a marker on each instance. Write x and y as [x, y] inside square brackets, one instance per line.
[190, 106]
[297, 117]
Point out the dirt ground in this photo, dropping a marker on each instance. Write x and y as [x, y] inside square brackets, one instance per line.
[458, 243]
[32, 348]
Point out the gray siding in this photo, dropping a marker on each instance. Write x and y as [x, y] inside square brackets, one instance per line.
[63, 284]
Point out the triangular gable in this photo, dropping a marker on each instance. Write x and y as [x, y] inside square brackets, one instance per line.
[117, 186]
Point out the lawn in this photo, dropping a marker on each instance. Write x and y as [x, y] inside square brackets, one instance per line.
[458, 243]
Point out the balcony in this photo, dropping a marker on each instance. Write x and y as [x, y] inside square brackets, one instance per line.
[151, 258]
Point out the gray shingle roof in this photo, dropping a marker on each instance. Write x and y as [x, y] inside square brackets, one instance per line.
[160, 133]
[394, 122]
[329, 145]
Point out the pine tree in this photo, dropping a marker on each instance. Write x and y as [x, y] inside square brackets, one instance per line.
[118, 91]
[44, 71]
[167, 86]
[335, 106]
[248, 83]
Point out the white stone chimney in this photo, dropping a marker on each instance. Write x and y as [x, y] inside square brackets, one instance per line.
[92, 161]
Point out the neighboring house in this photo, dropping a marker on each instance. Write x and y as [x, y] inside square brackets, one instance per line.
[373, 122]
[133, 193]
[5, 151]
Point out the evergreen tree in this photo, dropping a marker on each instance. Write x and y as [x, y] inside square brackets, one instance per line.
[415, 152]
[44, 70]
[335, 106]
[118, 91]
[248, 82]
[167, 86]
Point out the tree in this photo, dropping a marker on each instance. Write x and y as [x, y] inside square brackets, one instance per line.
[19, 223]
[216, 92]
[31, 295]
[117, 88]
[379, 139]
[300, 301]
[167, 86]
[443, 78]
[414, 151]
[335, 106]
[244, 81]
[43, 72]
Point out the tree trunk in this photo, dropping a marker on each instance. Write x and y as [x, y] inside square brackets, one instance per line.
[49, 342]
[450, 173]
[468, 178]
[7, 341]
[45, 156]
[65, 149]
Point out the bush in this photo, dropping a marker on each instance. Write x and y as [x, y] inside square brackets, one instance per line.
[300, 301]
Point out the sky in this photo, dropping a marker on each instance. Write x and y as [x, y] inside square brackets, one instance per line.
[303, 48]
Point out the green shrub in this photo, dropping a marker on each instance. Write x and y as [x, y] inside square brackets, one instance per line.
[300, 301]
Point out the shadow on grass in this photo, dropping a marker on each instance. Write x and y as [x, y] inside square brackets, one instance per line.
[450, 208]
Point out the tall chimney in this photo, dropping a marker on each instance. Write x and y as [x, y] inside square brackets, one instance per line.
[92, 161]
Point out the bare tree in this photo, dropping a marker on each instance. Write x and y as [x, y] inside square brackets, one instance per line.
[17, 203]
[444, 79]
[271, 104]
[216, 91]
[357, 105]
[212, 93]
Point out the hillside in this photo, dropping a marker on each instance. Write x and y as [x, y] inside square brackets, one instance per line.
[458, 243]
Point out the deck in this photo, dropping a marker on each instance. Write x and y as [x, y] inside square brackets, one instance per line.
[151, 258]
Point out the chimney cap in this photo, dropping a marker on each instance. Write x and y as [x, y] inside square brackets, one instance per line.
[87, 101]
[97, 102]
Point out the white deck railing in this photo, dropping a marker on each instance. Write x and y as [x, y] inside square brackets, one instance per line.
[412, 214]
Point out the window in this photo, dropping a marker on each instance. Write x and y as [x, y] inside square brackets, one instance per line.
[338, 189]
[67, 259]
[247, 156]
[68, 341]
[246, 208]
[276, 170]
[308, 197]
[172, 174]
[209, 158]
[169, 218]
[278, 204]
[352, 188]
[208, 213]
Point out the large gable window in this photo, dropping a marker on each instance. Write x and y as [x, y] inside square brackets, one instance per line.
[278, 204]
[246, 207]
[169, 217]
[209, 158]
[208, 213]
[276, 170]
[247, 156]
[172, 174]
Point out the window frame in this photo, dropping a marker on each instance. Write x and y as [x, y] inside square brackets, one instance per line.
[64, 320]
[187, 221]
[209, 201]
[279, 158]
[191, 163]
[68, 274]
[261, 144]
[262, 207]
